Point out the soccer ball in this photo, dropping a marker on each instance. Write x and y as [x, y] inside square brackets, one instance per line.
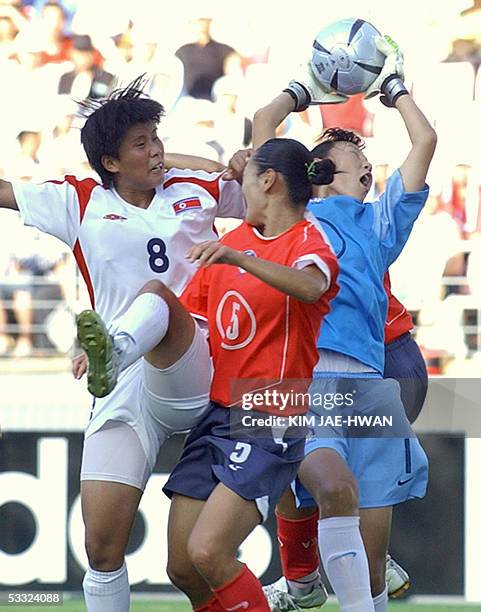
[345, 57]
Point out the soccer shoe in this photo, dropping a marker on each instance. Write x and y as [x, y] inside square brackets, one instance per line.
[397, 579]
[280, 600]
[102, 355]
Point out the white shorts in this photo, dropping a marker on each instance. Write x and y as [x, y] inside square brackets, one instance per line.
[154, 403]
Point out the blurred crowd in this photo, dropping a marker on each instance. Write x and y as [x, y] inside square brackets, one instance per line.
[212, 66]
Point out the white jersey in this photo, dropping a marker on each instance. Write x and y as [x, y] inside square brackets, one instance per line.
[118, 246]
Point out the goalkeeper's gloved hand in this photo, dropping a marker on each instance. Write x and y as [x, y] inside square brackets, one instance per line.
[390, 80]
[306, 90]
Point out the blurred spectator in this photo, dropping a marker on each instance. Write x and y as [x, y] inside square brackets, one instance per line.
[191, 129]
[418, 280]
[467, 45]
[61, 152]
[352, 115]
[41, 56]
[166, 81]
[433, 250]
[136, 52]
[56, 45]
[204, 61]
[36, 257]
[26, 165]
[70, 7]
[455, 202]
[31, 87]
[86, 79]
[6, 341]
[11, 22]
[474, 267]
[381, 173]
[232, 128]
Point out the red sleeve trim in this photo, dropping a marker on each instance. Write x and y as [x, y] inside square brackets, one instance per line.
[82, 264]
[212, 187]
[83, 188]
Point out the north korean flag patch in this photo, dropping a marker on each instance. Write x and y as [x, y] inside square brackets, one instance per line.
[114, 217]
[186, 204]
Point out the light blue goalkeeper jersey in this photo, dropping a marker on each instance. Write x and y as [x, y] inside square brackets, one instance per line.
[367, 238]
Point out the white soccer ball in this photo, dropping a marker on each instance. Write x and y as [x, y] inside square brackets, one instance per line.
[345, 57]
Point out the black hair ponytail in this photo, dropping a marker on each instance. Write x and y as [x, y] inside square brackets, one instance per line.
[296, 164]
[321, 172]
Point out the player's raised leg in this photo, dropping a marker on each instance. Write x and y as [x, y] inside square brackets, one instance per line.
[155, 326]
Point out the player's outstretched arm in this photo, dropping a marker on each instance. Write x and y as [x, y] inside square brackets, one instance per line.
[233, 171]
[303, 91]
[268, 118]
[306, 285]
[191, 162]
[7, 197]
[390, 84]
[423, 138]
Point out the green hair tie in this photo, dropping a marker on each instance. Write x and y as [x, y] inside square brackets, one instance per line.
[311, 169]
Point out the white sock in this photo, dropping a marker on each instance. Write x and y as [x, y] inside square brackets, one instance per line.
[303, 586]
[107, 591]
[141, 328]
[345, 562]
[380, 601]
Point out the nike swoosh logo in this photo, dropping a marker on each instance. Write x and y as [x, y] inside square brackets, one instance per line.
[242, 604]
[351, 553]
[403, 482]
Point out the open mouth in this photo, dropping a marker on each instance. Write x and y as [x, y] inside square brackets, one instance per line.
[366, 180]
[158, 167]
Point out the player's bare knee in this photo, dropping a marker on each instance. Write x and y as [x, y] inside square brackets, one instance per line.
[181, 575]
[104, 556]
[337, 497]
[205, 556]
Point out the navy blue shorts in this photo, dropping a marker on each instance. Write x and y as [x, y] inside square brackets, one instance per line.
[248, 460]
[404, 362]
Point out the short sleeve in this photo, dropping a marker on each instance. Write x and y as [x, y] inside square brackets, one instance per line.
[227, 194]
[55, 207]
[315, 249]
[194, 298]
[231, 200]
[394, 215]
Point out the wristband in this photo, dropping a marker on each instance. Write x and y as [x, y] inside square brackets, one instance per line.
[392, 89]
[300, 94]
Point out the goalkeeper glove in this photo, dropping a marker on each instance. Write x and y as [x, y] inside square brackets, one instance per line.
[305, 90]
[390, 80]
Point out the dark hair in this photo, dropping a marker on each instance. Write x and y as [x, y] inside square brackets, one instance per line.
[109, 119]
[55, 5]
[296, 164]
[332, 135]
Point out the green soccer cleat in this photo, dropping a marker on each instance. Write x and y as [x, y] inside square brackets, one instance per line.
[280, 600]
[397, 579]
[102, 355]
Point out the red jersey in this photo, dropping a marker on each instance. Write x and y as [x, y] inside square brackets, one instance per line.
[259, 336]
[398, 320]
